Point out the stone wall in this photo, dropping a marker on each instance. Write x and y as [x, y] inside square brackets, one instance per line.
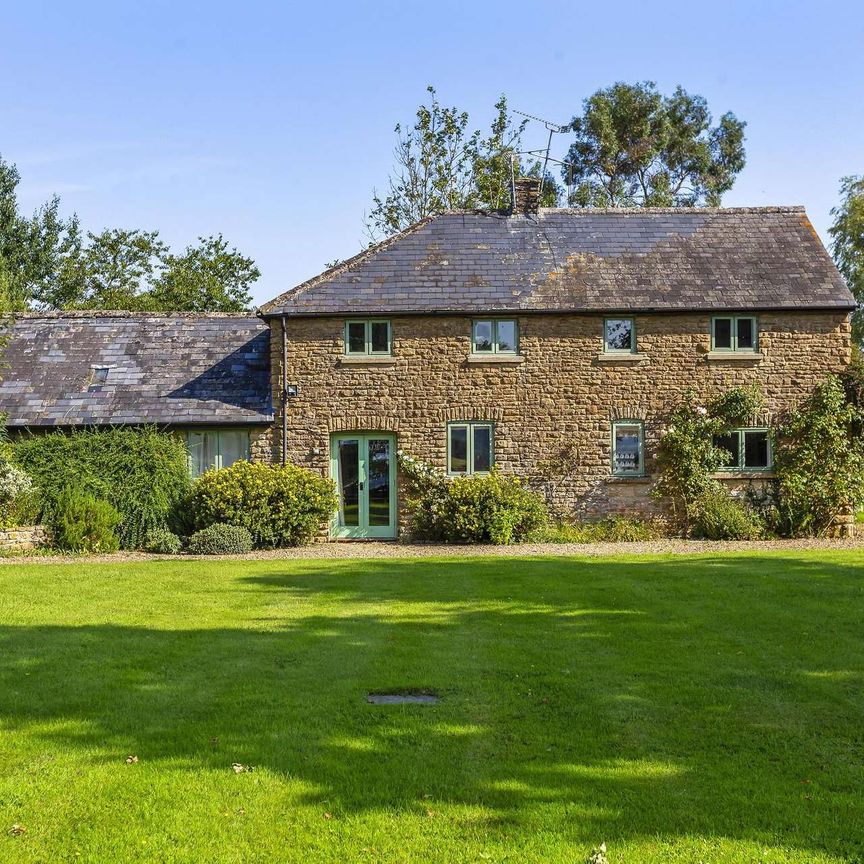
[563, 391]
[22, 539]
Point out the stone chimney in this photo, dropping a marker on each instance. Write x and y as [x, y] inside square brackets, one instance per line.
[526, 196]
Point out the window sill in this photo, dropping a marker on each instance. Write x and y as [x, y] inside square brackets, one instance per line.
[501, 359]
[613, 358]
[752, 474]
[735, 356]
[629, 478]
[367, 360]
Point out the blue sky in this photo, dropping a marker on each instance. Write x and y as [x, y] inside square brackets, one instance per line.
[273, 122]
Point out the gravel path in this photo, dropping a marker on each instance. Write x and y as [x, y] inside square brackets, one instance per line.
[326, 551]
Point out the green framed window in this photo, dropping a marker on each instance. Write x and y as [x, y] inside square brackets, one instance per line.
[470, 448]
[734, 333]
[495, 336]
[368, 337]
[628, 448]
[747, 449]
[210, 449]
[619, 336]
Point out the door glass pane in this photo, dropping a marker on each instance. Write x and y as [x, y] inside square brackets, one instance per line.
[745, 334]
[626, 449]
[722, 332]
[234, 446]
[349, 482]
[507, 336]
[482, 448]
[380, 337]
[458, 449]
[619, 334]
[729, 443]
[755, 449]
[482, 335]
[378, 482]
[356, 337]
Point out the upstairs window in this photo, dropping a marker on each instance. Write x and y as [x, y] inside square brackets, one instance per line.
[367, 337]
[746, 449]
[734, 333]
[495, 336]
[210, 449]
[628, 448]
[470, 448]
[619, 336]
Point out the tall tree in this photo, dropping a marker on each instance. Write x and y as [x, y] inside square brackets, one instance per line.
[114, 270]
[635, 147]
[33, 249]
[209, 277]
[847, 235]
[441, 164]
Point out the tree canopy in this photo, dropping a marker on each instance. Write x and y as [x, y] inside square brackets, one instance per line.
[635, 147]
[47, 263]
[847, 234]
[442, 164]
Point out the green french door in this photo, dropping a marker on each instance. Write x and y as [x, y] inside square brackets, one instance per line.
[364, 468]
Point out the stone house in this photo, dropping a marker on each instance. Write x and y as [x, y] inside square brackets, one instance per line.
[469, 340]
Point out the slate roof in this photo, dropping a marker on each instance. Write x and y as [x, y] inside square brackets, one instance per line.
[584, 260]
[164, 369]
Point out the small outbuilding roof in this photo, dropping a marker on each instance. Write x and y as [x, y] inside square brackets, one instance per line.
[92, 368]
[591, 260]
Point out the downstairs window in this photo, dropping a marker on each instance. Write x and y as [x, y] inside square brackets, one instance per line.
[210, 449]
[747, 449]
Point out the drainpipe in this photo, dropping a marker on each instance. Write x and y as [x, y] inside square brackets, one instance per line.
[284, 394]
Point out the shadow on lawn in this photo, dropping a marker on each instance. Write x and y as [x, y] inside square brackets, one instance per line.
[691, 696]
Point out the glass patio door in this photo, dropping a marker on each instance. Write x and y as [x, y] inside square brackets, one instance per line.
[363, 466]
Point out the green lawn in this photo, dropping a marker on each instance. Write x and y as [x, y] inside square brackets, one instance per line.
[704, 708]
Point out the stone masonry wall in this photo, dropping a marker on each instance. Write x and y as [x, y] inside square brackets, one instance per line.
[22, 539]
[564, 391]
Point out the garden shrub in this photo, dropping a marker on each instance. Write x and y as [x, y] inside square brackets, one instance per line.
[161, 541]
[719, 516]
[483, 508]
[220, 539]
[81, 523]
[688, 457]
[614, 529]
[142, 472]
[279, 505]
[19, 499]
[819, 459]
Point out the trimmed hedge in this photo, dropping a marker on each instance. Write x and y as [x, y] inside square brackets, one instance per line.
[161, 541]
[280, 506]
[220, 539]
[141, 472]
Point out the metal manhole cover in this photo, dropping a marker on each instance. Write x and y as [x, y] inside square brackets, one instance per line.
[407, 698]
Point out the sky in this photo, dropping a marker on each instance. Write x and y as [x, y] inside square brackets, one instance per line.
[272, 122]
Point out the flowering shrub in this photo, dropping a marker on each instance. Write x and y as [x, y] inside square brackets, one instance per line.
[819, 460]
[688, 456]
[161, 541]
[19, 503]
[482, 508]
[280, 506]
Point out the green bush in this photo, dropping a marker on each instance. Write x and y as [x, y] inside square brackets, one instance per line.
[82, 523]
[19, 498]
[220, 539]
[819, 459]
[489, 508]
[143, 473]
[615, 529]
[161, 541]
[719, 516]
[280, 506]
